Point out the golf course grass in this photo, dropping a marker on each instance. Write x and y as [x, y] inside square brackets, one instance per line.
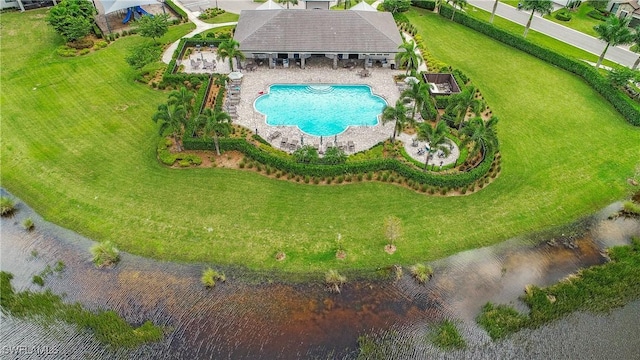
[78, 145]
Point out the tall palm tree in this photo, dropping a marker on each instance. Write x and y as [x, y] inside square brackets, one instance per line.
[460, 3]
[182, 97]
[294, 2]
[493, 11]
[419, 92]
[229, 49]
[464, 102]
[636, 47]
[544, 7]
[480, 133]
[614, 31]
[409, 56]
[397, 114]
[173, 117]
[436, 136]
[216, 123]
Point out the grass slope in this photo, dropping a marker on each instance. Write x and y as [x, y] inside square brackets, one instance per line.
[78, 144]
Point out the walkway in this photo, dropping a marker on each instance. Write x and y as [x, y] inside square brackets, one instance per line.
[580, 40]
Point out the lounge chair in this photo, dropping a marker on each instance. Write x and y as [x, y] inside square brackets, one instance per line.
[274, 135]
[293, 145]
[351, 146]
[283, 143]
[341, 146]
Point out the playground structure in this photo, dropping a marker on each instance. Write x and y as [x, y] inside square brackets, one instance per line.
[136, 12]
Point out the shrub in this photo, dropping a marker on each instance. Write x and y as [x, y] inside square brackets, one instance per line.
[84, 51]
[105, 254]
[334, 280]
[421, 272]
[7, 206]
[38, 280]
[631, 207]
[500, 320]
[424, 4]
[448, 337]
[101, 44]
[28, 224]
[563, 15]
[65, 51]
[596, 15]
[210, 276]
[144, 54]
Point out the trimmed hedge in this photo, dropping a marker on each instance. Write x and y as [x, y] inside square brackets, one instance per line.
[622, 103]
[290, 166]
[424, 4]
[183, 15]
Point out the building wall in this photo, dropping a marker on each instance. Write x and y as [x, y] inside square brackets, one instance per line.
[324, 5]
[8, 4]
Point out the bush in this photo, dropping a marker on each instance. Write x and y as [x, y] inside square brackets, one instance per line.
[210, 276]
[28, 224]
[105, 254]
[448, 337]
[563, 15]
[7, 206]
[421, 272]
[424, 4]
[144, 54]
[38, 280]
[84, 51]
[596, 15]
[66, 51]
[334, 280]
[183, 15]
[630, 207]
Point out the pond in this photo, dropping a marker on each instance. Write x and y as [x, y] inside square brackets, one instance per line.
[251, 317]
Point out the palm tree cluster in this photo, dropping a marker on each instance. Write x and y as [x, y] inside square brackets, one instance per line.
[229, 50]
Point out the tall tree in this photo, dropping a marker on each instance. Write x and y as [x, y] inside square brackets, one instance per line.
[294, 2]
[458, 3]
[216, 124]
[544, 7]
[171, 117]
[72, 19]
[398, 114]
[480, 134]
[464, 102]
[182, 97]
[436, 136]
[636, 46]
[409, 56]
[614, 31]
[153, 26]
[229, 49]
[419, 92]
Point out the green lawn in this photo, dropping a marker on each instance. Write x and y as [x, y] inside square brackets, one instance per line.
[579, 21]
[223, 18]
[77, 144]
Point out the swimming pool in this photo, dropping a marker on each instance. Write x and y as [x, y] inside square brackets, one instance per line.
[320, 109]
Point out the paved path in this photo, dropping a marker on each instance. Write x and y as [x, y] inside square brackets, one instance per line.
[580, 40]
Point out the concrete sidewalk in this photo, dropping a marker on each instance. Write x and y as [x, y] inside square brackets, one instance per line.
[580, 40]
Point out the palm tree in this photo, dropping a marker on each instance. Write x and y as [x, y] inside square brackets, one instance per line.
[294, 2]
[216, 123]
[636, 47]
[419, 92]
[493, 11]
[229, 49]
[436, 136]
[409, 56]
[614, 31]
[182, 97]
[173, 117]
[480, 134]
[463, 102]
[544, 7]
[397, 114]
[460, 3]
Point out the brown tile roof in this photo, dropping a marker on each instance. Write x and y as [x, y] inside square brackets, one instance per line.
[317, 31]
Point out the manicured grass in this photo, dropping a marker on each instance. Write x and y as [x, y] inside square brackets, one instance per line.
[78, 144]
[580, 21]
[599, 288]
[223, 18]
[218, 30]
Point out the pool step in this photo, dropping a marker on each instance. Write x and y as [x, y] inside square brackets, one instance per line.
[319, 89]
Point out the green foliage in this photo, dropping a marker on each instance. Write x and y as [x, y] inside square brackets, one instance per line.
[28, 224]
[392, 228]
[143, 54]
[448, 337]
[210, 276]
[500, 320]
[597, 15]
[623, 104]
[424, 4]
[334, 156]
[105, 254]
[7, 206]
[73, 19]
[631, 207]
[306, 154]
[153, 26]
[108, 328]
[396, 6]
[178, 10]
[421, 272]
[37, 280]
[621, 76]
[598, 4]
[563, 14]
[334, 280]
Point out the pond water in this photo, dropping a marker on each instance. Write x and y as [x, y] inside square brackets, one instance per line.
[320, 109]
[256, 319]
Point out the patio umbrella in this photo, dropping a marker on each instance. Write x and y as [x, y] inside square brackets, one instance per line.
[235, 75]
[411, 80]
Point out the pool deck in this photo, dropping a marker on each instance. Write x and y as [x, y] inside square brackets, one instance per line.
[364, 137]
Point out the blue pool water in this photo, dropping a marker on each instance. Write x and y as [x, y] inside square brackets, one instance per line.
[320, 109]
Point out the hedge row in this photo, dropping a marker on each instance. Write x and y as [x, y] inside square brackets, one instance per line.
[424, 4]
[182, 46]
[622, 103]
[177, 10]
[449, 180]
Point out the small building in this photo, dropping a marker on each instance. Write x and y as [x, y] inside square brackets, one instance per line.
[317, 4]
[441, 84]
[284, 36]
[626, 8]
